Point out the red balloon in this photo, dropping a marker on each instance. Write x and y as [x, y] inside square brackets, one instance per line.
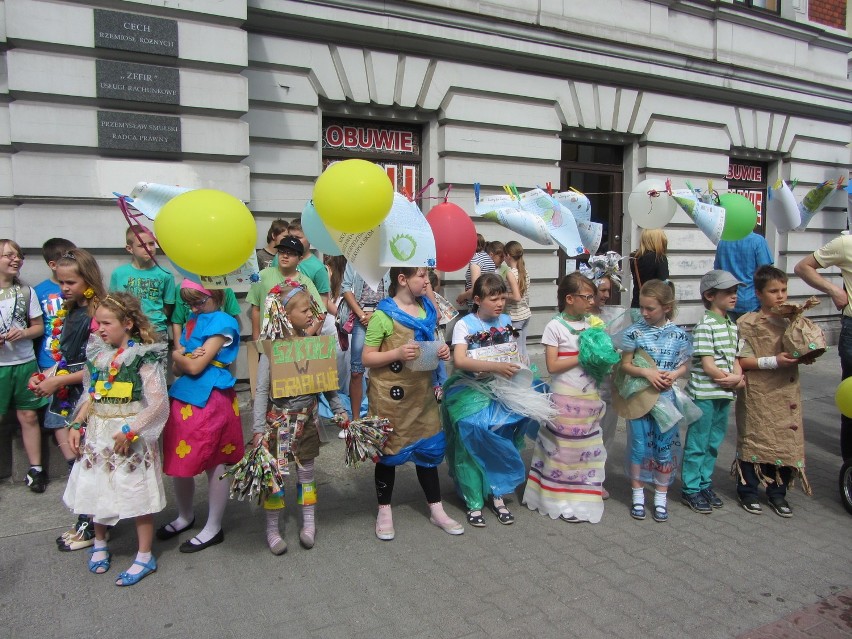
[455, 236]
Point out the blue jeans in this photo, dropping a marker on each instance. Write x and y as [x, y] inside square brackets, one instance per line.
[749, 490]
[356, 347]
[844, 347]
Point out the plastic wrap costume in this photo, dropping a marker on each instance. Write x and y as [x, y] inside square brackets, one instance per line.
[103, 483]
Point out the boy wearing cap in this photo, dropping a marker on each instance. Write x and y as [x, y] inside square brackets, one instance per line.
[290, 251]
[713, 378]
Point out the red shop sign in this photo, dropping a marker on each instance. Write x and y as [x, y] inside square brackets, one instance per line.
[362, 138]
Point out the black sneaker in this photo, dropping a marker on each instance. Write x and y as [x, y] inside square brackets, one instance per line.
[781, 507]
[751, 505]
[697, 502]
[84, 537]
[712, 498]
[36, 480]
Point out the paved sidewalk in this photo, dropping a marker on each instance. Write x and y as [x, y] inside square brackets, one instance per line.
[718, 575]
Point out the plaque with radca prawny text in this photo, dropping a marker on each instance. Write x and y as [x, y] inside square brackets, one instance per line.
[137, 82]
[123, 131]
[134, 32]
[298, 366]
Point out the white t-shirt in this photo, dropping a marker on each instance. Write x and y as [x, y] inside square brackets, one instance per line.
[567, 344]
[13, 313]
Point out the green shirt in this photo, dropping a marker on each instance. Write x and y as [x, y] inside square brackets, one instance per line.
[714, 336]
[381, 327]
[316, 271]
[271, 277]
[153, 287]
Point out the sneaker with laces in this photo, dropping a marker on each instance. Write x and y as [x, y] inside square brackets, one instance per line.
[36, 480]
[751, 505]
[64, 537]
[712, 498]
[697, 502]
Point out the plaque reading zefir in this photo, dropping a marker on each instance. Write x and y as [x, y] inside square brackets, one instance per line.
[137, 82]
[133, 32]
[138, 132]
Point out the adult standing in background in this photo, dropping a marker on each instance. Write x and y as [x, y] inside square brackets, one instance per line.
[649, 261]
[480, 263]
[741, 258]
[837, 253]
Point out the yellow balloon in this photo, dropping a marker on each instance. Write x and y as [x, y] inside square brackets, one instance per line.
[353, 196]
[207, 232]
[843, 397]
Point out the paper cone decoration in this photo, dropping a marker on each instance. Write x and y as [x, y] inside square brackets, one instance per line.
[404, 238]
[710, 219]
[591, 233]
[577, 203]
[239, 280]
[506, 212]
[560, 221]
[782, 209]
[814, 201]
[148, 197]
[407, 238]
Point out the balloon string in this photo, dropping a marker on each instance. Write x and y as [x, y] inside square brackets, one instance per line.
[447, 194]
[426, 186]
[133, 224]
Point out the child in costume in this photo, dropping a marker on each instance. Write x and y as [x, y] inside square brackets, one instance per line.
[290, 428]
[567, 471]
[714, 378]
[654, 447]
[81, 284]
[404, 396]
[770, 429]
[115, 432]
[204, 431]
[484, 420]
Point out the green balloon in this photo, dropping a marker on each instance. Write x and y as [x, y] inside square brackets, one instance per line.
[740, 216]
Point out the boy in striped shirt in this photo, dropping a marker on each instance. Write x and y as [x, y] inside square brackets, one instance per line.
[713, 379]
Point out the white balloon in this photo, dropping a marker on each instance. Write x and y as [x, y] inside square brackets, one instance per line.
[650, 212]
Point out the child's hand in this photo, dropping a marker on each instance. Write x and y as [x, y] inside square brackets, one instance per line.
[74, 438]
[742, 384]
[122, 444]
[198, 352]
[444, 352]
[178, 352]
[729, 381]
[46, 387]
[785, 361]
[408, 352]
[257, 439]
[658, 379]
[505, 369]
[365, 318]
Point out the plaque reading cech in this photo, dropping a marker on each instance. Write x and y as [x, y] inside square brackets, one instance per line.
[137, 82]
[133, 32]
[138, 132]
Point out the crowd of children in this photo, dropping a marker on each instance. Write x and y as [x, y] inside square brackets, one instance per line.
[90, 365]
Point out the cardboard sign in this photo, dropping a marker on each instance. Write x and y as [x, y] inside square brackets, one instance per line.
[301, 366]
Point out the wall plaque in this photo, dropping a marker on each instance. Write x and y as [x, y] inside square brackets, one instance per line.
[138, 132]
[133, 32]
[137, 82]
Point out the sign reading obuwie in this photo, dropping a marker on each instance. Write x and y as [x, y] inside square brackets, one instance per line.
[134, 32]
[301, 366]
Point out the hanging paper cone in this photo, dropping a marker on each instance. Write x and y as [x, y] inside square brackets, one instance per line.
[577, 203]
[591, 233]
[407, 238]
[149, 197]
[559, 220]
[710, 219]
[814, 201]
[782, 210]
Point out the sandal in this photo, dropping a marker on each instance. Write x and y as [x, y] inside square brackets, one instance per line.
[661, 514]
[502, 513]
[128, 579]
[474, 518]
[95, 566]
[637, 511]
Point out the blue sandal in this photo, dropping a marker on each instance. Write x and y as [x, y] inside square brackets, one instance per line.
[128, 579]
[637, 511]
[661, 514]
[95, 566]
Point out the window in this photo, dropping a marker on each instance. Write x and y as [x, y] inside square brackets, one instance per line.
[771, 6]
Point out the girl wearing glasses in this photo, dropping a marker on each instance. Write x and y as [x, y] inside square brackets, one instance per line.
[204, 431]
[567, 471]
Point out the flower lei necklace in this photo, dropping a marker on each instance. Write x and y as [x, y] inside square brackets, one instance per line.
[61, 365]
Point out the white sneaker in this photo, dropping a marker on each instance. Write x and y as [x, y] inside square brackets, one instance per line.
[341, 434]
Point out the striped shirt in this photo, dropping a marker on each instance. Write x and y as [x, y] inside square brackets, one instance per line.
[713, 336]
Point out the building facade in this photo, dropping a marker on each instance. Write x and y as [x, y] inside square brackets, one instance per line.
[255, 97]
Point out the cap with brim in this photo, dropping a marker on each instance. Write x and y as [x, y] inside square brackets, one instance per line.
[719, 280]
[640, 403]
[291, 244]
